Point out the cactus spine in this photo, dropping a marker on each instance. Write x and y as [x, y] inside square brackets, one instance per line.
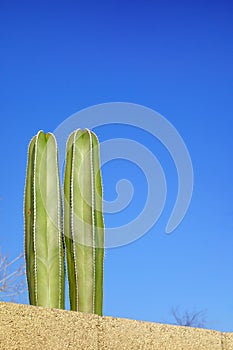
[44, 251]
[83, 222]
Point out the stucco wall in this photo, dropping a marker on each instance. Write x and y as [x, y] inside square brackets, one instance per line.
[28, 327]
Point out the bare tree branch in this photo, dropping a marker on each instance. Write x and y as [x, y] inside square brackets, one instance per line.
[189, 319]
[12, 277]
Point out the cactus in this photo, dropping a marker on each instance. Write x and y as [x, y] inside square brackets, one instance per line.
[83, 222]
[44, 250]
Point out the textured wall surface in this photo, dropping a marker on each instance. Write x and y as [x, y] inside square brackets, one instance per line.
[29, 327]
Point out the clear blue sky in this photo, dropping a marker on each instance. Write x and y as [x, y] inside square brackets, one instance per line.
[172, 56]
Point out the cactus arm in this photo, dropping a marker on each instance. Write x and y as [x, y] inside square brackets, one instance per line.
[80, 215]
[80, 219]
[43, 232]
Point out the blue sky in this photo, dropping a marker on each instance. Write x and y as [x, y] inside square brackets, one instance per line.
[174, 57]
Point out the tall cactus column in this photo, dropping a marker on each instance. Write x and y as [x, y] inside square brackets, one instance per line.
[44, 251]
[83, 222]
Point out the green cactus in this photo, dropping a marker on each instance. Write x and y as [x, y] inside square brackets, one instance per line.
[83, 222]
[44, 250]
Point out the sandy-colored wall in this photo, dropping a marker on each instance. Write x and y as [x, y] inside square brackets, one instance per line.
[28, 327]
